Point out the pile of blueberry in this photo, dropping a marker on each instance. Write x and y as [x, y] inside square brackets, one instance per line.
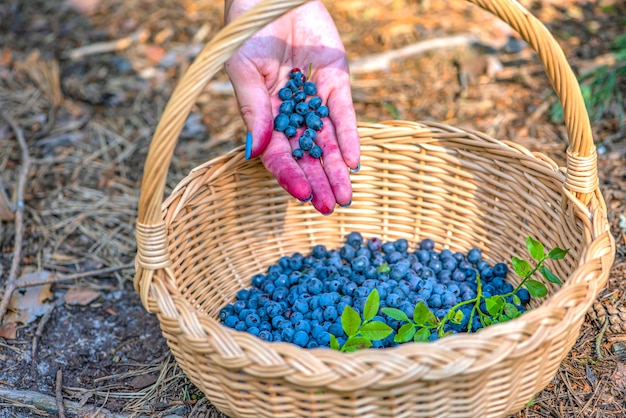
[301, 298]
[296, 112]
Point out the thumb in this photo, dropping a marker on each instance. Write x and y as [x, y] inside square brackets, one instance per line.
[254, 104]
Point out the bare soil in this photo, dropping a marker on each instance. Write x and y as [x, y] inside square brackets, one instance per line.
[82, 334]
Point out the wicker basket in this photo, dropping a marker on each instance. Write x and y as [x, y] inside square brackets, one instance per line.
[229, 219]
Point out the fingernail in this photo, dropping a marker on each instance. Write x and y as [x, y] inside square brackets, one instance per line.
[356, 170]
[347, 205]
[248, 145]
[308, 199]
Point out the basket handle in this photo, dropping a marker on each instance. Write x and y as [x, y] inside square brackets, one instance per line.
[581, 178]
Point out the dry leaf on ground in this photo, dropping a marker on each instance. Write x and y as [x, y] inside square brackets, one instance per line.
[80, 296]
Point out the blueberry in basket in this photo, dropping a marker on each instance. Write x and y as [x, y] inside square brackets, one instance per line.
[296, 112]
[371, 293]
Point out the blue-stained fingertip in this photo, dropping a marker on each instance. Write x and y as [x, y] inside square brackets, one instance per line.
[356, 170]
[308, 199]
[346, 205]
[248, 145]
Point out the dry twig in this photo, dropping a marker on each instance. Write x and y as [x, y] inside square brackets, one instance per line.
[38, 333]
[36, 279]
[111, 46]
[59, 395]
[35, 400]
[19, 216]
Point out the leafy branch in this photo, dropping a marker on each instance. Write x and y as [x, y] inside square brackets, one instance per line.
[496, 308]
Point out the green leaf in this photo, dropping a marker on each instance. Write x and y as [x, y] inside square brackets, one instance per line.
[516, 300]
[396, 314]
[370, 310]
[487, 320]
[350, 321]
[510, 310]
[549, 276]
[557, 253]
[535, 248]
[383, 268]
[422, 336]
[356, 343]
[376, 330]
[494, 305]
[536, 289]
[521, 267]
[458, 317]
[405, 333]
[334, 344]
[422, 315]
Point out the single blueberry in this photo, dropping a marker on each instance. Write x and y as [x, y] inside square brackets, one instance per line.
[258, 279]
[291, 85]
[296, 120]
[295, 73]
[287, 334]
[306, 143]
[500, 270]
[290, 131]
[309, 133]
[435, 301]
[315, 102]
[300, 97]
[423, 256]
[252, 320]
[301, 338]
[287, 107]
[281, 122]
[315, 286]
[319, 251]
[225, 312]
[239, 306]
[302, 109]
[316, 151]
[265, 335]
[393, 300]
[347, 252]
[231, 321]
[297, 153]
[474, 255]
[313, 121]
[337, 330]
[322, 111]
[523, 295]
[309, 88]
[285, 93]
[427, 244]
[360, 263]
[300, 305]
[401, 245]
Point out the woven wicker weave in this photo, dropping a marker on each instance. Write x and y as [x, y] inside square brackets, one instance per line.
[229, 219]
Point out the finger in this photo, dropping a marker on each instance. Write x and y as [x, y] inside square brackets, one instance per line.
[323, 196]
[335, 91]
[335, 170]
[254, 103]
[278, 160]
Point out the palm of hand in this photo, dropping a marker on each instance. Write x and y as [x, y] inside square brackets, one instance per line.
[305, 36]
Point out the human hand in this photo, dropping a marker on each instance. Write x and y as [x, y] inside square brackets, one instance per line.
[304, 36]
